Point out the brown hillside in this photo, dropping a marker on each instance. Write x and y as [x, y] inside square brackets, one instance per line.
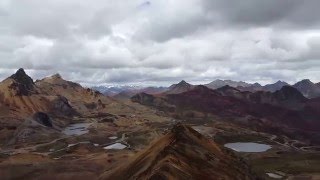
[182, 154]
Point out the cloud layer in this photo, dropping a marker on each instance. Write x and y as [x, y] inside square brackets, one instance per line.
[159, 42]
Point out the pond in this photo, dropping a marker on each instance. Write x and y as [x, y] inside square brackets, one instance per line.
[76, 129]
[115, 146]
[248, 147]
[273, 175]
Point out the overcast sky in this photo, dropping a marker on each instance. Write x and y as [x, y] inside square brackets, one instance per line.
[159, 42]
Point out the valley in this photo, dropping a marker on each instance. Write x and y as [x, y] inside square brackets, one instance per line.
[92, 136]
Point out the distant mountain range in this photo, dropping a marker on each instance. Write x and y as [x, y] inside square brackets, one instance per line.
[306, 87]
[125, 92]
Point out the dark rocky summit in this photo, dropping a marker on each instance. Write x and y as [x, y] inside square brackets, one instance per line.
[22, 83]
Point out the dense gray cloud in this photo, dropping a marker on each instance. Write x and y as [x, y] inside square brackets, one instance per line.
[159, 42]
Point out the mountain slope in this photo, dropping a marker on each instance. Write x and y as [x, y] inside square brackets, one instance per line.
[182, 154]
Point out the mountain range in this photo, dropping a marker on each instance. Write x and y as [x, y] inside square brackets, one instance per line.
[306, 87]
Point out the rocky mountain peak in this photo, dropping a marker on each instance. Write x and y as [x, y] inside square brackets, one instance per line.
[21, 77]
[22, 83]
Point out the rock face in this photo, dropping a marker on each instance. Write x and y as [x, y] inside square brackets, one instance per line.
[43, 119]
[183, 154]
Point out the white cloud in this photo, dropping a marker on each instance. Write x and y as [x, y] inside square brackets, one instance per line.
[161, 41]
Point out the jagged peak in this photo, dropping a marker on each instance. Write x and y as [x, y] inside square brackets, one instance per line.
[21, 76]
[21, 71]
[22, 83]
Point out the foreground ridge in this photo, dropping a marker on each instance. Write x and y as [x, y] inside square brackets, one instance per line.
[183, 153]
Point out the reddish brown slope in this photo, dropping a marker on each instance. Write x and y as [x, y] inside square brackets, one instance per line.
[182, 154]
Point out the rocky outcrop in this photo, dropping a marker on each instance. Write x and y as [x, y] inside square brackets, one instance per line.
[43, 119]
[60, 105]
